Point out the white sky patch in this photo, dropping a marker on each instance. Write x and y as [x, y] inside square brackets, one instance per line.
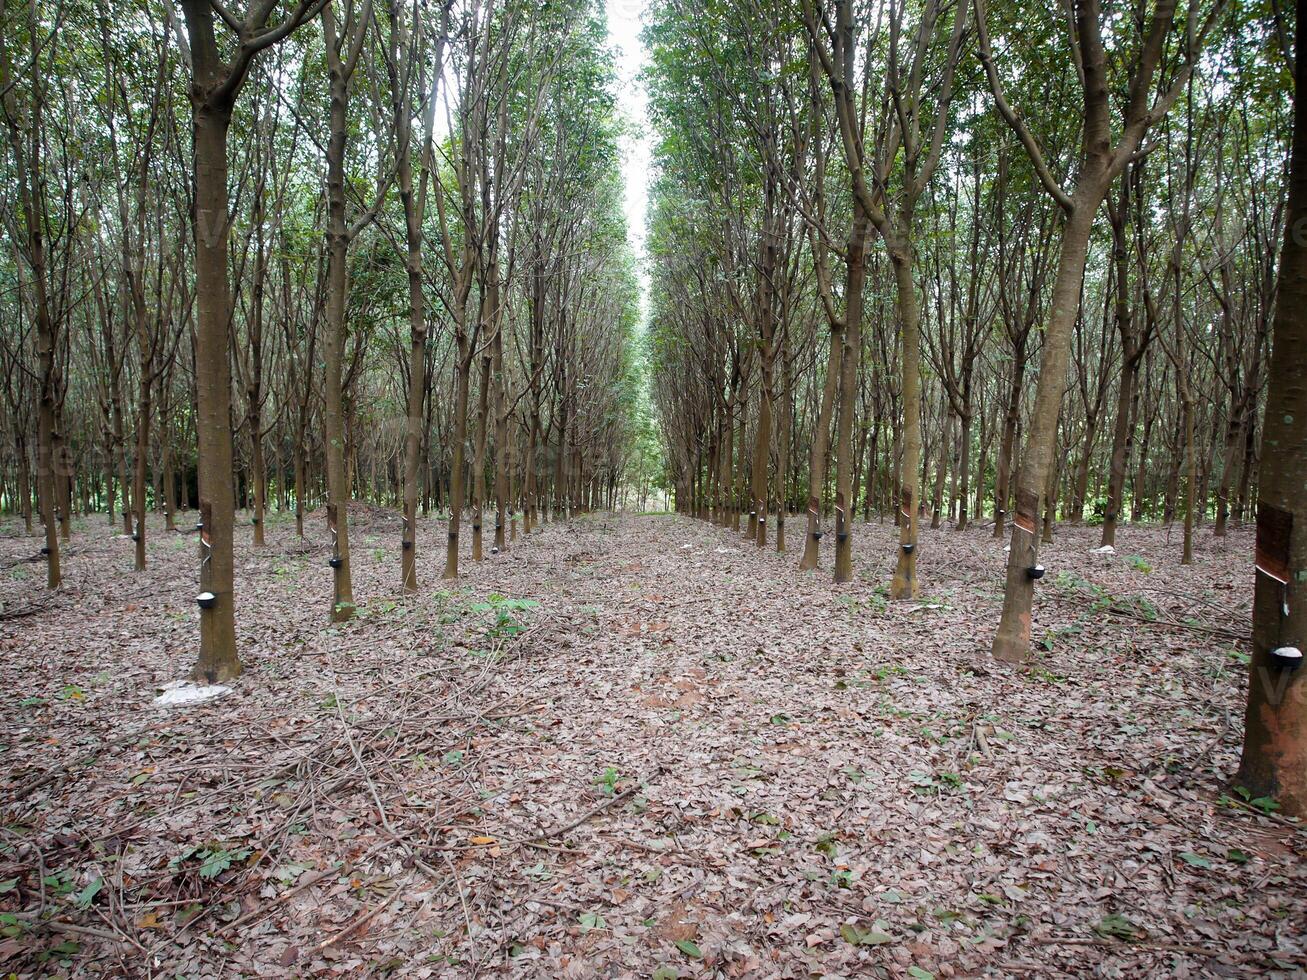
[624, 18]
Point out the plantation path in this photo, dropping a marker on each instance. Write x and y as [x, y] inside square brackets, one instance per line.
[662, 749]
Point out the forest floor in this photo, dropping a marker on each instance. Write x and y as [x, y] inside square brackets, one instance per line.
[637, 746]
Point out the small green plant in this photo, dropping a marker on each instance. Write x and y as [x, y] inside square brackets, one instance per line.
[57, 883]
[213, 859]
[1138, 564]
[607, 782]
[933, 784]
[507, 623]
[1264, 804]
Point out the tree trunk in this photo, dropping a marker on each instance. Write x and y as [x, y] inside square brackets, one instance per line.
[1274, 761]
[905, 584]
[1012, 641]
[333, 347]
[463, 370]
[1003, 477]
[218, 657]
[856, 264]
[479, 454]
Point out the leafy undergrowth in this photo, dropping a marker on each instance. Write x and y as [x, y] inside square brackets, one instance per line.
[637, 746]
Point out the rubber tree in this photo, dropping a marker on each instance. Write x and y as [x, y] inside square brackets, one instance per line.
[25, 128]
[1135, 337]
[919, 142]
[216, 79]
[403, 65]
[1100, 160]
[344, 46]
[1274, 761]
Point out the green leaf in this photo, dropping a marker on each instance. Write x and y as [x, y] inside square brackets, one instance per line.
[1233, 854]
[87, 895]
[665, 972]
[1265, 804]
[855, 936]
[1117, 926]
[218, 861]
[920, 974]
[8, 885]
[591, 921]
[1195, 860]
[689, 949]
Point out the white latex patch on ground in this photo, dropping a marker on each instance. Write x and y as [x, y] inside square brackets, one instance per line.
[1107, 549]
[186, 692]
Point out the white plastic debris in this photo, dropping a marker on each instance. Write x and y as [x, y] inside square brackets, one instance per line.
[1107, 549]
[686, 547]
[187, 692]
[724, 551]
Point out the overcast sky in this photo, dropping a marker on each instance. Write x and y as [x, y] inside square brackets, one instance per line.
[624, 31]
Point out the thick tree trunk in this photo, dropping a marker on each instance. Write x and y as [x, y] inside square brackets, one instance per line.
[1274, 761]
[218, 658]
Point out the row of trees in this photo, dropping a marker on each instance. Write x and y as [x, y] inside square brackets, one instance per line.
[386, 259]
[962, 262]
[932, 258]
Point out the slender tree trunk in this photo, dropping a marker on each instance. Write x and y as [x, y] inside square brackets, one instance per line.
[905, 584]
[142, 448]
[851, 355]
[1012, 641]
[333, 347]
[1007, 447]
[964, 476]
[821, 434]
[459, 442]
[479, 457]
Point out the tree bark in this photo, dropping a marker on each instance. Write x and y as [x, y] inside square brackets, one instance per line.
[1274, 761]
